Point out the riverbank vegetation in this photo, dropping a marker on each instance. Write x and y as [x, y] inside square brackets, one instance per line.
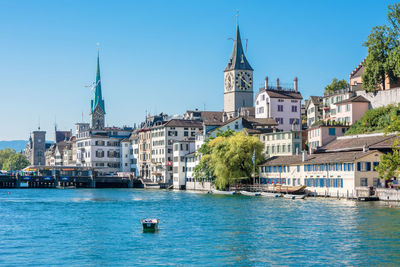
[228, 158]
[11, 160]
[375, 120]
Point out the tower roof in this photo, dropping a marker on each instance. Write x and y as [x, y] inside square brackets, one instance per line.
[98, 98]
[238, 60]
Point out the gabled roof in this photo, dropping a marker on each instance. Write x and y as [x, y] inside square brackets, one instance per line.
[238, 60]
[358, 71]
[288, 94]
[183, 123]
[357, 142]
[354, 99]
[316, 100]
[321, 158]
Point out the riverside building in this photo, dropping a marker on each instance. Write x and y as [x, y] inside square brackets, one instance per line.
[162, 138]
[331, 174]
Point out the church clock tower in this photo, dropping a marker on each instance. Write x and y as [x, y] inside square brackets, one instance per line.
[238, 80]
[97, 110]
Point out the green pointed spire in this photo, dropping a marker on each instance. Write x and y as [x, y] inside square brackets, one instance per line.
[98, 98]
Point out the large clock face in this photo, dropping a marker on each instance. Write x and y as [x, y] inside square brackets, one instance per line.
[229, 82]
[244, 81]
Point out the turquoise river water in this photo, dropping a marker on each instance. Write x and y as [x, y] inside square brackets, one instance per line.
[101, 227]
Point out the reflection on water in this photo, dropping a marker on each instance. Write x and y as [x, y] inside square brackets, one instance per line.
[102, 227]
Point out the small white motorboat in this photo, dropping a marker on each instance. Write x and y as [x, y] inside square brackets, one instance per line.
[150, 225]
[219, 192]
[265, 194]
[250, 194]
[289, 196]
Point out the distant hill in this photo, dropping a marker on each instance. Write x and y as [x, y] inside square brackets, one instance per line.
[18, 145]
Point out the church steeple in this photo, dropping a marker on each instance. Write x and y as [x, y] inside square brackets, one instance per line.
[98, 98]
[238, 60]
[97, 109]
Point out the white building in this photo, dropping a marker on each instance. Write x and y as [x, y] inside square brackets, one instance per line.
[184, 162]
[330, 100]
[284, 105]
[99, 147]
[125, 155]
[277, 143]
[134, 155]
[162, 139]
[331, 174]
[313, 110]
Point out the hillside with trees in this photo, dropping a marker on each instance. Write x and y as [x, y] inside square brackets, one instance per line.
[375, 120]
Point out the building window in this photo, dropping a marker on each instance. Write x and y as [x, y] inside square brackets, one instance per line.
[332, 131]
[294, 108]
[375, 164]
[348, 107]
[280, 108]
[363, 181]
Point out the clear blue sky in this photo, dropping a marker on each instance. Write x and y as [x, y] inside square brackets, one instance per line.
[164, 55]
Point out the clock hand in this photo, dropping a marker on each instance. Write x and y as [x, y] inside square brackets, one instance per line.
[245, 81]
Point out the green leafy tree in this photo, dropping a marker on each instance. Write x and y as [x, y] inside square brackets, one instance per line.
[5, 154]
[336, 85]
[16, 162]
[10, 160]
[204, 170]
[383, 53]
[389, 166]
[231, 158]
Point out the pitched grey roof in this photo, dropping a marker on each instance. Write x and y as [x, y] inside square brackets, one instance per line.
[354, 99]
[183, 123]
[357, 142]
[288, 94]
[238, 60]
[318, 158]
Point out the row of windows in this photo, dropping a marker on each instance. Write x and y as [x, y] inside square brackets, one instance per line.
[324, 182]
[291, 121]
[280, 108]
[282, 149]
[329, 167]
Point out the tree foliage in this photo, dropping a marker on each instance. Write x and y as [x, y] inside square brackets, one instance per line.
[375, 120]
[383, 52]
[336, 85]
[203, 170]
[11, 160]
[230, 158]
[389, 166]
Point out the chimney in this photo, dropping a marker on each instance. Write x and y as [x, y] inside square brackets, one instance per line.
[295, 84]
[277, 83]
[266, 82]
[304, 156]
[365, 148]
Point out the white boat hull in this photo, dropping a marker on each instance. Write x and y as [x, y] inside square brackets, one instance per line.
[219, 192]
[251, 194]
[264, 194]
[294, 196]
